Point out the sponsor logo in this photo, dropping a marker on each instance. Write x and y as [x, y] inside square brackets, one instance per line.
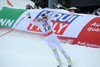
[60, 17]
[88, 44]
[90, 35]
[95, 27]
[60, 22]
[8, 16]
[6, 22]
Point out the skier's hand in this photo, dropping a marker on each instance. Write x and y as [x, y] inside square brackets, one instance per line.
[28, 15]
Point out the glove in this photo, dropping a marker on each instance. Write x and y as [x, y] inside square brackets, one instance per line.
[28, 15]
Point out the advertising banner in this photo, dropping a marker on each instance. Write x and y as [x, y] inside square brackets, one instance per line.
[9, 16]
[80, 29]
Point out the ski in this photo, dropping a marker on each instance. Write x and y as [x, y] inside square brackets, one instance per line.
[69, 65]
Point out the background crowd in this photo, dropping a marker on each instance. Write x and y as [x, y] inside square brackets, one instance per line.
[81, 6]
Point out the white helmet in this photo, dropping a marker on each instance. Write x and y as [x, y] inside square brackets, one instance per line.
[44, 14]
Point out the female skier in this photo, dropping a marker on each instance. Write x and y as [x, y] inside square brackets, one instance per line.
[44, 23]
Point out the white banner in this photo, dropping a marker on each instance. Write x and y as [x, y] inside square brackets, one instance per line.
[74, 28]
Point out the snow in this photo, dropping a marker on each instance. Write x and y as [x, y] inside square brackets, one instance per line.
[21, 49]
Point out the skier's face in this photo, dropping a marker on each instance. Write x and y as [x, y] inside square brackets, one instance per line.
[45, 19]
